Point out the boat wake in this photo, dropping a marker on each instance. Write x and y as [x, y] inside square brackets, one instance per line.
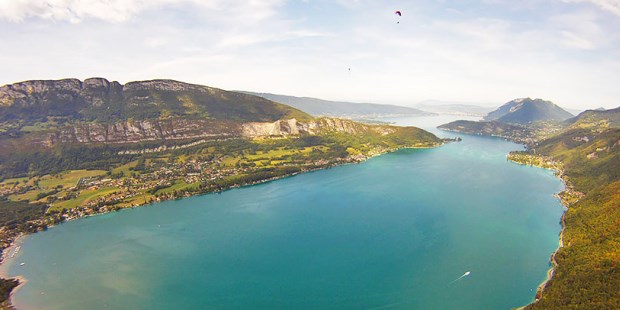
[461, 277]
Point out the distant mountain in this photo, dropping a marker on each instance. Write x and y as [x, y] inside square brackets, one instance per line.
[527, 110]
[444, 107]
[577, 111]
[320, 107]
[98, 99]
[598, 118]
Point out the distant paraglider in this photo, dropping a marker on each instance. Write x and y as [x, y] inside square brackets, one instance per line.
[399, 14]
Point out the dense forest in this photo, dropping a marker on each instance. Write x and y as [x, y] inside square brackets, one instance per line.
[587, 275]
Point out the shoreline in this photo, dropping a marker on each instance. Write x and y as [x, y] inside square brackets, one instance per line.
[565, 200]
[13, 243]
[6, 252]
[22, 281]
[10, 253]
[568, 189]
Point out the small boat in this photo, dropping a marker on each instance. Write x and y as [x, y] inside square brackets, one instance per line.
[22, 263]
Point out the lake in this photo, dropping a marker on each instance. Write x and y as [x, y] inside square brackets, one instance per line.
[394, 232]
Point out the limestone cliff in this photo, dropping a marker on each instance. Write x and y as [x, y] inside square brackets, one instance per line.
[179, 128]
[317, 126]
[145, 130]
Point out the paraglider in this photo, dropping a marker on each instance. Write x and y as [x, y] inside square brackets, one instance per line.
[399, 14]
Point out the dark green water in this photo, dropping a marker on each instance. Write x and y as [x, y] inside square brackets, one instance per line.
[393, 232]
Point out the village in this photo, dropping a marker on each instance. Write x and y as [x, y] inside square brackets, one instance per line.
[77, 193]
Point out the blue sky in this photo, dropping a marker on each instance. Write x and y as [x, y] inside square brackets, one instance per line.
[490, 51]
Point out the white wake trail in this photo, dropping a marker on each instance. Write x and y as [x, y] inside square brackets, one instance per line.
[461, 277]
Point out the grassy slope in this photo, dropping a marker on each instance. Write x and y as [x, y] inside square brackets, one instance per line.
[202, 101]
[85, 196]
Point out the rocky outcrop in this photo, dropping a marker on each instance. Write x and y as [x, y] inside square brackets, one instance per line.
[147, 130]
[33, 92]
[277, 128]
[92, 91]
[166, 85]
[318, 126]
[100, 92]
[179, 128]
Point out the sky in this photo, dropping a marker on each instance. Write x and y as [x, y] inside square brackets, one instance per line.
[487, 52]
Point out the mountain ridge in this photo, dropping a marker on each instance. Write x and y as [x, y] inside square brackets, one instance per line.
[48, 116]
[97, 99]
[330, 108]
[609, 118]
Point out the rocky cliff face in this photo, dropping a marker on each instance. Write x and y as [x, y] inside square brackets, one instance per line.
[318, 126]
[277, 128]
[178, 128]
[69, 91]
[147, 130]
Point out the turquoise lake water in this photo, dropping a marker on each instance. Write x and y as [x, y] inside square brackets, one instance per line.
[393, 232]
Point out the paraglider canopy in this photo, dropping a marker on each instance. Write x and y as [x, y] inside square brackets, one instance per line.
[398, 13]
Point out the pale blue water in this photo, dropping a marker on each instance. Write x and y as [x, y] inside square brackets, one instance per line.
[392, 232]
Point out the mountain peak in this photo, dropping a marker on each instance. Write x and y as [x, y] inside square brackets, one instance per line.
[527, 110]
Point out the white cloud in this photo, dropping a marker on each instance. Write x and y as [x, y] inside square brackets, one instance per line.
[491, 34]
[574, 40]
[155, 42]
[233, 40]
[115, 11]
[581, 30]
[72, 10]
[349, 3]
[612, 6]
